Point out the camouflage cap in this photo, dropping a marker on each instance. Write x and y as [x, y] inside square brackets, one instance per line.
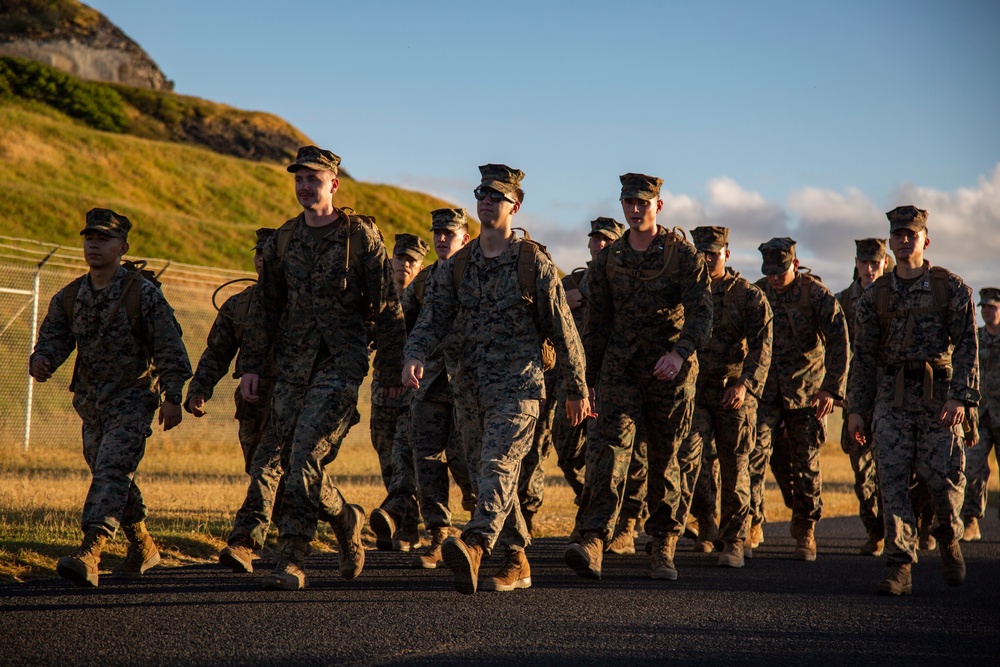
[870, 250]
[263, 234]
[312, 157]
[607, 227]
[453, 219]
[501, 178]
[778, 254]
[410, 245]
[989, 296]
[107, 222]
[640, 186]
[907, 217]
[710, 239]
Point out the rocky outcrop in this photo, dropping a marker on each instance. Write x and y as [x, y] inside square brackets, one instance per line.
[90, 47]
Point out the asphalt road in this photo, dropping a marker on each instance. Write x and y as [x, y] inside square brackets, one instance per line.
[773, 611]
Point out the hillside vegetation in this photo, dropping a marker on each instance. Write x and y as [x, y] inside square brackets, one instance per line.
[189, 204]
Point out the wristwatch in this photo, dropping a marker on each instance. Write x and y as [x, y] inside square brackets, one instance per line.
[684, 352]
[173, 398]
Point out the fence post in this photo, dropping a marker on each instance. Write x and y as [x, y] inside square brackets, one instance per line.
[36, 286]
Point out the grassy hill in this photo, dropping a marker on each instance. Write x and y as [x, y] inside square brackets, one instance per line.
[189, 204]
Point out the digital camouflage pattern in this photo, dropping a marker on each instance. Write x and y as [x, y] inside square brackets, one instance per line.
[894, 363]
[531, 486]
[977, 465]
[738, 352]
[500, 371]
[263, 495]
[107, 222]
[631, 324]
[115, 390]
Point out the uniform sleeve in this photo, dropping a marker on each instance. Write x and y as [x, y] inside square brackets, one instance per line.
[264, 313]
[965, 357]
[556, 323]
[833, 327]
[390, 332]
[55, 337]
[169, 354]
[759, 334]
[863, 377]
[436, 315]
[697, 300]
[600, 315]
[220, 349]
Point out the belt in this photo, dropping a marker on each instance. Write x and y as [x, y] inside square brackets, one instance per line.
[919, 371]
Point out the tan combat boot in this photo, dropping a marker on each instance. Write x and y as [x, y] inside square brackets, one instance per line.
[661, 562]
[756, 535]
[898, 581]
[925, 541]
[347, 527]
[708, 532]
[874, 545]
[406, 539]
[952, 563]
[238, 556]
[513, 574]
[463, 559]
[142, 552]
[732, 555]
[972, 531]
[623, 543]
[431, 556]
[384, 527]
[805, 543]
[81, 567]
[289, 574]
[585, 558]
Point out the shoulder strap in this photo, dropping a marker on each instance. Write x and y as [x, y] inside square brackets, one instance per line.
[285, 237]
[670, 260]
[939, 290]
[420, 284]
[69, 297]
[460, 261]
[241, 310]
[526, 273]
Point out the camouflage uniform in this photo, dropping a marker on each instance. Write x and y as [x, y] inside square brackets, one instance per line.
[531, 484]
[117, 379]
[500, 372]
[810, 354]
[738, 352]
[318, 298]
[905, 368]
[977, 466]
[642, 306]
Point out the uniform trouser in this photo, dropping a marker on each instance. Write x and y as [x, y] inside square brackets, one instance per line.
[705, 503]
[432, 427]
[531, 485]
[806, 433]
[384, 425]
[865, 479]
[570, 443]
[913, 440]
[114, 442]
[977, 468]
[637, 477]
[401, 500]
[497, 438]
[666, 409]
[734, 432]
[457, 464]
[311, 422]
[781, 464]
[263, 494]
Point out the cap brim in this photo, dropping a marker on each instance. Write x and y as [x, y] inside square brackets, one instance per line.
[315, 166]
[101, 230]
[708, 247]
[499, 186]
[774, 269]
[412, 254]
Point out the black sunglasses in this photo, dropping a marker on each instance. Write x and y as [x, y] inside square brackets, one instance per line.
[482, 193]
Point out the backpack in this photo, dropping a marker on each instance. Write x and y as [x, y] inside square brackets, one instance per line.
[526, 280]
[804, 304]
[242, 307]
[670, 259]
[939, 291]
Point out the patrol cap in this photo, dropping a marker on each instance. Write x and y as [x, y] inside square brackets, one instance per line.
[312, 157]
[710, 239]
[640, 186]
[502, 178]
[778, 254]
[107, 222]
[410, 245]
[608, 227]
[989, 296]
[907, 217]
[870, 250]
[263, 234]
[452, 219]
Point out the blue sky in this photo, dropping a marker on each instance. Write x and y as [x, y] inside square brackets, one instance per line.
[806, 119]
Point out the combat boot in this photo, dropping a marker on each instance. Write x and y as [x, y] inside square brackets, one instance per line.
[238, 556]
[897, 582]
[142, 552]
[463, 559]
[732, 555]
[661, 563]
[406, 539]
[805, 543]
[971, 530]
[707, 533]
[756, 535]
[513, 574]
[347, 527]
[431, 556]
[289, 574]
[469, 503]
[81, 567]
[623, 542]
[384, 527]
[585, 558]
[874, 545]
[952, 563]
[926, 541]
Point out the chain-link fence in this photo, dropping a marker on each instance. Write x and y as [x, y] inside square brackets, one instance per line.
[37, 415]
